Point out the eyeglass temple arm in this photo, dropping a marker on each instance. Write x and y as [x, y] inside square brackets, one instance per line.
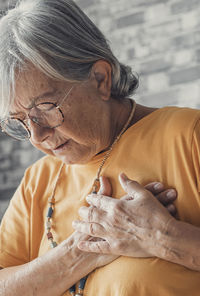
[64, 97]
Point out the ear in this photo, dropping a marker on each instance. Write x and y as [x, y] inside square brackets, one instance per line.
[101, 75]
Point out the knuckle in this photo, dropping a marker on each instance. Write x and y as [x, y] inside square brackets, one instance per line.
[143, 196]
[99, 247]
[116, 207]
[144, 193]
[99, 200]
[91, 214]
[161, 197]
[103, 246]
[150, 186]
[118, 245]
[95, 247]
[171, 208]
[121, 245]
[115, 212]
[92, 229]
[106, 247]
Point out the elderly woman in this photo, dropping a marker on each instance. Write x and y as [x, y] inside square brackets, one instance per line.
[64, 90]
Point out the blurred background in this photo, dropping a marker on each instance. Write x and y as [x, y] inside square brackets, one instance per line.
[160, 39]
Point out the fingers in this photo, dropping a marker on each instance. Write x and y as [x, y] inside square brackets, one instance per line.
[154, 187]
[95, 247]
[101, 201]
[102, 198]
[133, 188]
[92, 229]
[91, 214]
[167, 197]
[172, 209]
[164, 196]
[105, 186]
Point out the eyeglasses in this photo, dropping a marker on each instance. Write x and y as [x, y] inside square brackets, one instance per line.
[46, 115]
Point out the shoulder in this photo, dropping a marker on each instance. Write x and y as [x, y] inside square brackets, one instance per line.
[164, 125]
[177, 116]
[169, 127]
[175, 121]
[46, 164]
[42, 172]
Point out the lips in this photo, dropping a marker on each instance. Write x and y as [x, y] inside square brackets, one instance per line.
[61, 147]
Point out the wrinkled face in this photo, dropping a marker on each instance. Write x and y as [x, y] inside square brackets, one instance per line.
[83, 132]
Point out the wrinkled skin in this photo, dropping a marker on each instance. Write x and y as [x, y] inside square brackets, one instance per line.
[131, 226]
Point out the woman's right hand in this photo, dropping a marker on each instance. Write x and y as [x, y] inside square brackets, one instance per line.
[165, 196]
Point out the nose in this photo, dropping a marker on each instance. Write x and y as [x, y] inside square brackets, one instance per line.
[39, 134]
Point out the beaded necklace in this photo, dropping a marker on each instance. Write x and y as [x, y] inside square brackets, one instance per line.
[95, 188]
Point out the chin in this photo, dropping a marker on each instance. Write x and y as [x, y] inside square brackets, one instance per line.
[73, 153]
[74, 159]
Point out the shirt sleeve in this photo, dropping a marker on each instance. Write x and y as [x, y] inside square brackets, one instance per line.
[15, 229]
[196, 152]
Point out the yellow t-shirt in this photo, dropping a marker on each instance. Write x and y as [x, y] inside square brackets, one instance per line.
[163, 146]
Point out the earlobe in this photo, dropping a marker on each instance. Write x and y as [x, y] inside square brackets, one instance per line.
[101, 73]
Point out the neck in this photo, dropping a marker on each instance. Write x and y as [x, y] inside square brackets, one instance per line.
[140, 112]
[120, 112]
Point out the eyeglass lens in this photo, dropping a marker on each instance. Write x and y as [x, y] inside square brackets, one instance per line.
[16, 129]
[46, 115]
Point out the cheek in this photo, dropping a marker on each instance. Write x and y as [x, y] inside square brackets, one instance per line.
[82, 125]
[39, 147]
[77, 129]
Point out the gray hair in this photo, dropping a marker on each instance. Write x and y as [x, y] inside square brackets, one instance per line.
[60, 40]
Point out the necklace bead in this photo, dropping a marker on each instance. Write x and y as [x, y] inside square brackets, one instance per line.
[49, 235]
[53, 244]
[96, 185]
[50, 212]
[48, 225]
[51, 200]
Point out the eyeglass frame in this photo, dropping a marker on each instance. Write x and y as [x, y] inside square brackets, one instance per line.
[35, 105]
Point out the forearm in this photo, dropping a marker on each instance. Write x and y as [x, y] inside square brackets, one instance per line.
[51, 274]
[181, 245]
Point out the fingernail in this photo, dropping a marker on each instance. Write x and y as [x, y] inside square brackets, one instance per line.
[90, 195]
[80, 210]
[81, 245]
[74, 223]
[88, 198]
[158, 186]
[124, 177]
[171, 193]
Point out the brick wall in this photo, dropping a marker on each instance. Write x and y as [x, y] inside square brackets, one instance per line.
[160, 39]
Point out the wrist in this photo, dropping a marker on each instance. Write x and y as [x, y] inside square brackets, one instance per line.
[165, 239]
[174, 243]
[77, 263]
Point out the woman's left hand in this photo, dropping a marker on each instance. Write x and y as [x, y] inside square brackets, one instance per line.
[131, 226]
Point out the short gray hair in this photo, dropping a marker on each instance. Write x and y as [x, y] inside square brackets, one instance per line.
[59, 39]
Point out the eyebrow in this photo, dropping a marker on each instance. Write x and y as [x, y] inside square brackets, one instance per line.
[35, 99]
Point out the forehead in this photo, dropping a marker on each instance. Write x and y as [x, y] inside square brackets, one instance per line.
[31, 84]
